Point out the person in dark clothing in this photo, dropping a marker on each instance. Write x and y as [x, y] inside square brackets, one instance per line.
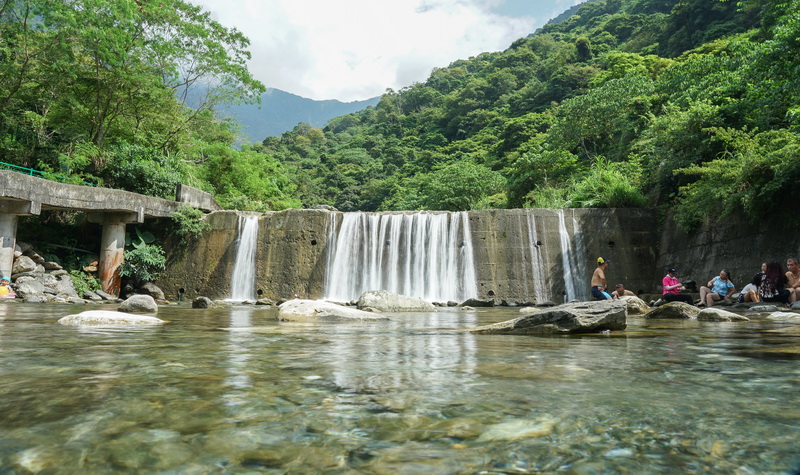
[773, 284]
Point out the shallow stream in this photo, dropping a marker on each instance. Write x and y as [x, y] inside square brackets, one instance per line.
[231, 390]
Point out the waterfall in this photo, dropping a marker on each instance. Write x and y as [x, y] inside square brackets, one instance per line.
[243, 278]
[567, 257]
[537, 260]
[582, 292]
[425, 255]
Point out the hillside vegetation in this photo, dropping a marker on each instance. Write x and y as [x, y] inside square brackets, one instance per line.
[623, 104]
[692, 104]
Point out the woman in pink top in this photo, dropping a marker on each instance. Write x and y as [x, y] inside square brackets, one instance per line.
[673, 287]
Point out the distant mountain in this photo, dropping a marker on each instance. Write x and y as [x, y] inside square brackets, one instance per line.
[281, 111]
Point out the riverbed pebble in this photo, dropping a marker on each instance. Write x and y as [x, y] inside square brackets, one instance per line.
[519, 429]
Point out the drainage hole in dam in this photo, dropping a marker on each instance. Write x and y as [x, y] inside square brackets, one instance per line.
[490, 293]
[313, 242]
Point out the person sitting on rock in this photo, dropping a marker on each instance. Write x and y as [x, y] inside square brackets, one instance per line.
[718, 288]
[750, 291]
[599, 280]
[672, 288]
[620, 291]
[5, 289]
[773, 284]
[793, 275]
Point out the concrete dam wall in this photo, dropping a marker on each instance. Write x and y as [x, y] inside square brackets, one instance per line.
[517, 256]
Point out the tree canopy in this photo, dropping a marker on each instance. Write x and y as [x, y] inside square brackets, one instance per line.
[688, 104]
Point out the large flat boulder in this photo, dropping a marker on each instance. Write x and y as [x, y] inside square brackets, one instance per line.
[300, 310]
[576, 317]
[107, 317]
[674, 311]
[385, 301]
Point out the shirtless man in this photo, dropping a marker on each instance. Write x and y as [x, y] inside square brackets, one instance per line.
[620, 291]
[793, 275]
[599, 280]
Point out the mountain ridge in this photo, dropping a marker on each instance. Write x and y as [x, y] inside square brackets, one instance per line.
[281, 111]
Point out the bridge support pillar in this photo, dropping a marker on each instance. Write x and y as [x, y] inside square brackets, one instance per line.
[112, 247]
[10, 210]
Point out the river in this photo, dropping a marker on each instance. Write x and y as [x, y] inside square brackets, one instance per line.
[232, 390]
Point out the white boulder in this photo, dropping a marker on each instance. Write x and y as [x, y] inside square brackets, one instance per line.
[107, 317]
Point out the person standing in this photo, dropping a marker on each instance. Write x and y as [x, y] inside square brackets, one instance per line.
[599, 280]
[672, 288]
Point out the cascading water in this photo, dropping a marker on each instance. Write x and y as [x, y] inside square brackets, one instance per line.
[243, 277]
[425, 255]
[580, 263]
[537, 260]
[574, 269]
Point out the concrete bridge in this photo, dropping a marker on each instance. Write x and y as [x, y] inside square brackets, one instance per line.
[23, 195]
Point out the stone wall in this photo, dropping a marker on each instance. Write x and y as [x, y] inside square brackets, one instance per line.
[733, 244]
[502, 242]
[292, 256]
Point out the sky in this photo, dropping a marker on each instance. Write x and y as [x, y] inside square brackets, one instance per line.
[357, 49]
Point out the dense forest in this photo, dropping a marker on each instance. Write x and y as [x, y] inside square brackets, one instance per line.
[690, 104]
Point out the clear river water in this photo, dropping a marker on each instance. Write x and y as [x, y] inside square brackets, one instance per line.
[232, 390]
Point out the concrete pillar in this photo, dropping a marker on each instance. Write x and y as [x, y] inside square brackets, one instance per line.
[112, 246]
[112, 251]
[10, 210]
[8, 242]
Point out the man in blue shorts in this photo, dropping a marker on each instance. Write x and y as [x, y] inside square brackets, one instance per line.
[599, 280]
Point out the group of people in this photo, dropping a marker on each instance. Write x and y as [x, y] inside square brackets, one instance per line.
[771, 284]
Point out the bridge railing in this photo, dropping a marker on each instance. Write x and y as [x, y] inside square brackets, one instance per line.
[41, 174]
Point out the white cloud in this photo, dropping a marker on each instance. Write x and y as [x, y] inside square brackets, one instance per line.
[356, 49]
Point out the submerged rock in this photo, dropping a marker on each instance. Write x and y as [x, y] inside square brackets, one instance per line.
[529, 310]
[106, 317]
[674, 310]
[520, 429]
[718, 315]
[385, 301]
[139, 304]
[784, 316]
[578, 317]
[319, 310]
[764, 308]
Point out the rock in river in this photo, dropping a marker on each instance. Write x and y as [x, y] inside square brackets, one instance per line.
[107, 317]
[718, 315]
[636, 306]
[299, 310]
[139, 304]
[675, 311]
[385, 301]
[576, 317]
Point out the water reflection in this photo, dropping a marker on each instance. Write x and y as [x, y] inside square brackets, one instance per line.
[232, 389]
[237, 354]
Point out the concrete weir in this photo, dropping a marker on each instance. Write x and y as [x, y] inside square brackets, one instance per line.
[23, 195]
[516, 253]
